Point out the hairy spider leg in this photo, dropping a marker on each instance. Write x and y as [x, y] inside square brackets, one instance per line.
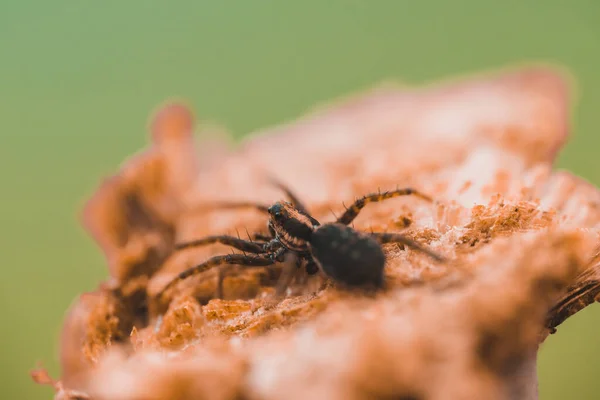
[239, 204]
[232, 259]
[222, 273]
[288, 273]
[236, 243]
[261, 207]
[384, 238]
[248, 246]
[259, 237]
[302, 275]
[233, 205]
[296, 202]
[352, 212]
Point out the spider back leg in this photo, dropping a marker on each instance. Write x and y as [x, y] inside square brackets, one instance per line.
[259, 237]
[288, 273]
[384, 238]
[353, 211]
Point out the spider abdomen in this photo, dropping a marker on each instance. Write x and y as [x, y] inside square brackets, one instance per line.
[348, 256]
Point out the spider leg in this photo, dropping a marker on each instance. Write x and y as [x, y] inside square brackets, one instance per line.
[238, 204]
[261, 237]
[236, 243]
[220, 278]
[235, 259]
[353, 211]
[311, 267]
[290, 195]
[290, 269]
[399, 238]
[302, 276]
[261, 207]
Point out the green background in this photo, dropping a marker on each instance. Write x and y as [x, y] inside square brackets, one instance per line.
[78, 80]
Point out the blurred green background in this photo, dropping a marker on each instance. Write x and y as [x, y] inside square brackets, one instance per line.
[78, 82]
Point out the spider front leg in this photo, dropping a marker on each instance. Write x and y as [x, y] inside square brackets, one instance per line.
[236, 243]
[259, 237]
[290, 195]
[384, 238]
[222, 274]
[229, 259]
[262, 207]
[353, 211]
[263, 238]
[277, 256]
[233, 205]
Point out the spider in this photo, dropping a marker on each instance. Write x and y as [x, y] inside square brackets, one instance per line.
[343, 254]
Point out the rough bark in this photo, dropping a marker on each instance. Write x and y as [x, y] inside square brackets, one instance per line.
[521, 239]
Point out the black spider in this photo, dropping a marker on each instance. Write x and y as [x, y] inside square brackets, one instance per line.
[347, 256]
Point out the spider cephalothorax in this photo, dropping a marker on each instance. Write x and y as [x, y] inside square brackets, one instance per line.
[341, 253]
[293, 228]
